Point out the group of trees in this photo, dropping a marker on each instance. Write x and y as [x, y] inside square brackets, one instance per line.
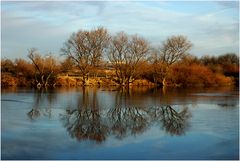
[129, 57]
[40, 72]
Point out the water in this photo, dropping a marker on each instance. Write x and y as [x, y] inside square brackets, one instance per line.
[101, 123]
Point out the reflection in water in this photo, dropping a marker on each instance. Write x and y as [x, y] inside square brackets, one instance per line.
[90, 122]
[127, 119]
[228, 105]
[40, 97]
[112, 118]
[85, 121]
[173, 122]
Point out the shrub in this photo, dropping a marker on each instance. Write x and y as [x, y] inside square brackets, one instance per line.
[195, 75]
[8, 80]
[65, 81]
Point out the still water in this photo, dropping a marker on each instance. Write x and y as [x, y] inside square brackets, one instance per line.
[111, 123]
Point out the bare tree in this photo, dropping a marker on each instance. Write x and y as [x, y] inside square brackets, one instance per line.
[172, 50]
[86, 49]
[125, 53]
[45, 68]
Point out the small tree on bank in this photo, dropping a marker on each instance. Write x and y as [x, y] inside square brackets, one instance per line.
[46, 68]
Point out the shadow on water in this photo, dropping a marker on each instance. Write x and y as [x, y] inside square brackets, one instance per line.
[89, 121]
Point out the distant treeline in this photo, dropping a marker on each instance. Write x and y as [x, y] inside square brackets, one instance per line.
[97, 58]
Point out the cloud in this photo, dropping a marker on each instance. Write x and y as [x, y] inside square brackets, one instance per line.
[212, 27]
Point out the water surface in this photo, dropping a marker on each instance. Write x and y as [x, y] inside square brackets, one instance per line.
[111, 123]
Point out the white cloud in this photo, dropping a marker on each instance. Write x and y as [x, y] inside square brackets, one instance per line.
[47, 25]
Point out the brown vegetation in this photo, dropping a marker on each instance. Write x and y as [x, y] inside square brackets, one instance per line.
[125, 54]
[95, 58]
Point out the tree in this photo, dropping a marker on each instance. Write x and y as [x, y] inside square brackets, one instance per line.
[125, 53]
[86, 49]
[230, 65]
[229, 58]
[227, 64]
[45, 68]
[172, 50]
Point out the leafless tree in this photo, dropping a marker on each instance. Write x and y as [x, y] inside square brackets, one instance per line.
[45, 67]
[172, 50]
[125, 53]
[86, 49]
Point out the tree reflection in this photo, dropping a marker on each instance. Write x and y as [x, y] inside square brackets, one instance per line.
[41, 97]
[173, 122]
[85, 121]
[88, 122]
[34, 113]
[126, 119]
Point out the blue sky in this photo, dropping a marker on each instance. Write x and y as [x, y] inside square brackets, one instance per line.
[212, 26]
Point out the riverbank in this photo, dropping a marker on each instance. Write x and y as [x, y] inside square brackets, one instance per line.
[7, 80]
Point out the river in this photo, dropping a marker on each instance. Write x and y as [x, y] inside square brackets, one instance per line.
[113, 123]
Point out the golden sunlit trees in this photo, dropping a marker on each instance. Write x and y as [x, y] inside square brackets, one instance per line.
[7, 66]
[24, 72]
[226, 64]
[172, 50]
[18, 72]
[46, 68]
[67, 65]
[120, 59]
[125, 54]
[230, 64]
[24, 68]
[86, 49]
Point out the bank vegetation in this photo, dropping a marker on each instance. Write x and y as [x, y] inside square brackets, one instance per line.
[96, 58]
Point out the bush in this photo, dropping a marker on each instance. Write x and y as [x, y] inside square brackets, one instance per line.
[65, 81]
[8, 80]
[195, 75]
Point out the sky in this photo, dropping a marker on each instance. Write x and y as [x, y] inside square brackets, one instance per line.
[211, 26]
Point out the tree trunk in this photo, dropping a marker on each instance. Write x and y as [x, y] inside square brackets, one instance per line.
[46, 81]
[164, 83]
